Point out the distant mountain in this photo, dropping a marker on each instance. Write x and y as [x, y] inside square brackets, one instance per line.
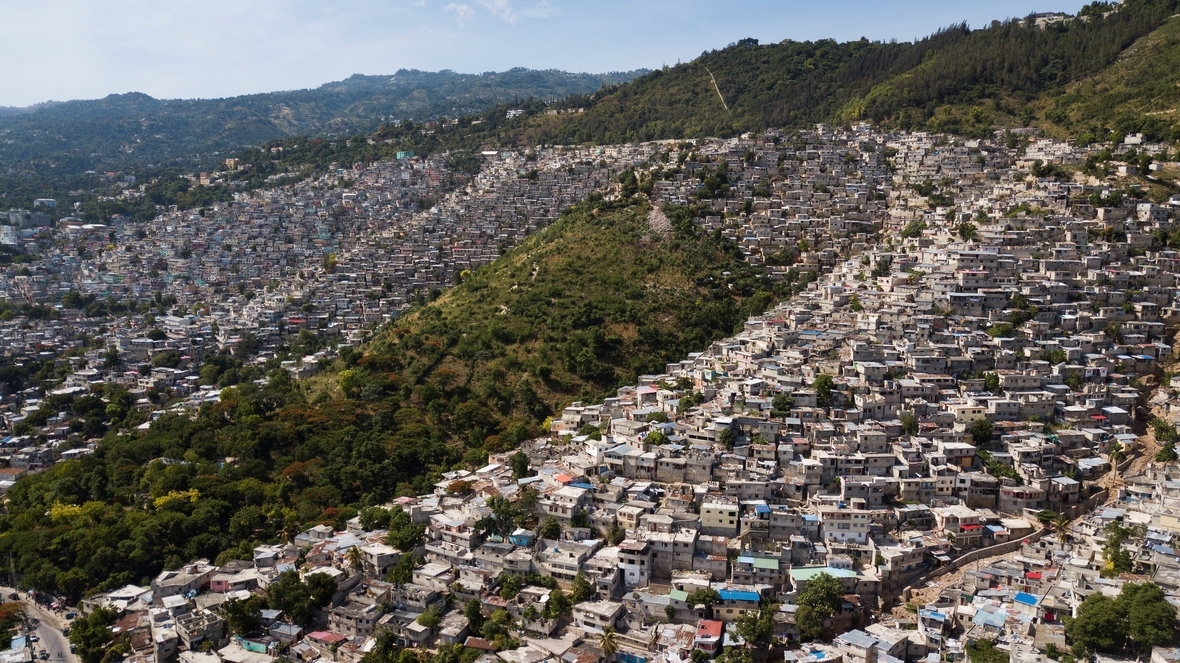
[137, 129]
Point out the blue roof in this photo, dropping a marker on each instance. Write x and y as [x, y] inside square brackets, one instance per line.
[761, 508]
[1025, 598]
[990, 618]
[582, 485]
[735, 595]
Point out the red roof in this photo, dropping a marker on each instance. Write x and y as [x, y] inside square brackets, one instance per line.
[972, 526]
[479, 643]
[709, 628]
[1033, 575]
[326, 636]
[563, 478]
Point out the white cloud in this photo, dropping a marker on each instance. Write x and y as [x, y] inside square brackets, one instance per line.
[501, 8]
[464, 12]
[541, 10]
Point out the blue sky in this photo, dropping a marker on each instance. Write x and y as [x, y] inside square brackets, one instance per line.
[70, 49]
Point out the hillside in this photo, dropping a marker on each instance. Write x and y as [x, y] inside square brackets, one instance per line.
[958, 80]
[134, 128]
[1138, 93]
[572, 312]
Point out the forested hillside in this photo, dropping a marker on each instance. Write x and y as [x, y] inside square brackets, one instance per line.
[958, 80]
[574, 311]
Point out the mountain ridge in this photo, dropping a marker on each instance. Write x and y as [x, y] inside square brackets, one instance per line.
[134, 127]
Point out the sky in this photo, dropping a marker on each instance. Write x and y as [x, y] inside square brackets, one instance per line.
[82, 49]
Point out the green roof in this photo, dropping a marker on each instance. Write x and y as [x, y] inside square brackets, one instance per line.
[765, 563]
[809, 572]
[678, 595]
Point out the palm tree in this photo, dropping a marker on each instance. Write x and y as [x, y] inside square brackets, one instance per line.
[1061, 526]
[355, 558]
[607, 644]
[290, 530]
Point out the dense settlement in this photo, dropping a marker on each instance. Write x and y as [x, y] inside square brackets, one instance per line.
[933, 445]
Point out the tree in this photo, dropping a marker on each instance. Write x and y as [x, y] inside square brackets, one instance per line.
[705, 596]
[981, 432]
[909, 423]
[519, 463]
[1118, 561]
[559, 604]
[298, 599]
[580, 589]
[355, 558]
[321, 587]
[966, 231]
[985, 651]
[757, 628]
[726, 438]
[820, 599]
[823, 390]
[1117, 455]
[510, 585]
[608, 644]
[1061, 525]
[430, 618]
[1099, 626]
[1167, 454]
[781, 405]
[91, 635]
[374, 517]
[550, 529]
[473, 611]
[501, 519]
[242, 617]
[656, 438]
[912, 229]
[1165, 431]
[670, 613]
[580, 519]
[403, 533]
[1141, 617]
[1151, 618]
[1046, 517]
[403, 571]
[12, 614]
[615, 534]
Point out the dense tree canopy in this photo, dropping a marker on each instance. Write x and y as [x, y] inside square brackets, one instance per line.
[1139, 619]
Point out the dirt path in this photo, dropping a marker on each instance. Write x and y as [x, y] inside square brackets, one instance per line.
[930, 591]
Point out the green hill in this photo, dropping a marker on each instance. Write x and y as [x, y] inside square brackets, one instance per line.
[958, 80]
[1138, 93]
[575, 310]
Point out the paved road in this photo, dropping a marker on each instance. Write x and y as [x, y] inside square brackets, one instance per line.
[55, 643]
[48, 630]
